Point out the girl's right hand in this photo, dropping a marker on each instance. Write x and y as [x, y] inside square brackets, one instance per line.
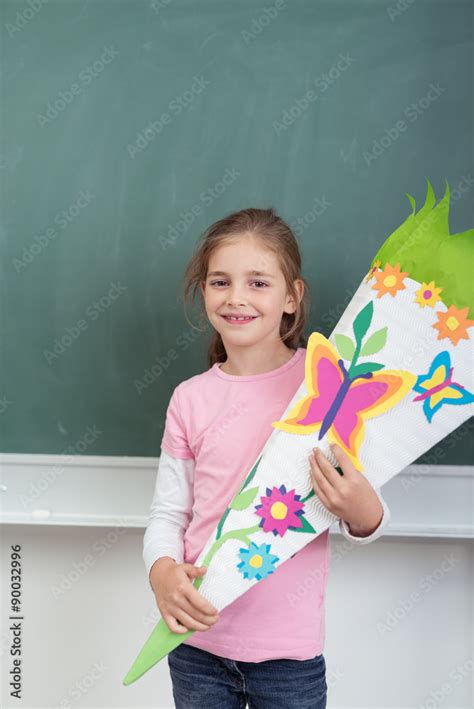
[181, 605]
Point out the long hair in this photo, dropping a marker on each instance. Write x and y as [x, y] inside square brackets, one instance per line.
[275, 235]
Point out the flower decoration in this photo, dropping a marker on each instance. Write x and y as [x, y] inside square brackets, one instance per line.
[453, 324]
[372, 271]
[390, 280]
[280, 510]
[428, 294]
[257, 562]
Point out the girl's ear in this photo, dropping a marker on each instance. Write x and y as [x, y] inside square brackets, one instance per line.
[299, 289]
[290, 305]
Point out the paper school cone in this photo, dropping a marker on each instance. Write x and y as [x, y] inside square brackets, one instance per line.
[391, 381]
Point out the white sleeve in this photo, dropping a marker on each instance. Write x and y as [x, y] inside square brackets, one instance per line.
[171, 510]
[344, 527]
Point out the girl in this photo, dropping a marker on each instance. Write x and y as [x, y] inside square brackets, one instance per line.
[265, 648]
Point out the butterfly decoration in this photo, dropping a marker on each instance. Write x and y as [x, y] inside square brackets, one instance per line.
[340, 399]
[437, 387]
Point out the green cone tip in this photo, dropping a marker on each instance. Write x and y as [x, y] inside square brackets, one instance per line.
[425, 249]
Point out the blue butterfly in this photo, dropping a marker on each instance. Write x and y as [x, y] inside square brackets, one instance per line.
[437, 387]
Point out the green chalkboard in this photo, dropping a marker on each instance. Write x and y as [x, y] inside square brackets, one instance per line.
[128, 127]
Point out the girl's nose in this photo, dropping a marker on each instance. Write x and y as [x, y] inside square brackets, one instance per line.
[235, 297]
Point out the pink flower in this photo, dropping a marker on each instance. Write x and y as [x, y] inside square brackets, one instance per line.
[280, 510]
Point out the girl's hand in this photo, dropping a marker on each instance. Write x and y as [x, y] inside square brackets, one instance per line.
[351, 497]
[178, 599]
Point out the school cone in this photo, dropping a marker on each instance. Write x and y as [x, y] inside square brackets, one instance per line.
[412, 311]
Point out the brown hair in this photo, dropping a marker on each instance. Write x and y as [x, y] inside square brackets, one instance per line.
[276, 235]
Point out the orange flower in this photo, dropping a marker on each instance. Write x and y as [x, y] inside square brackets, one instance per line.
[428, 294]
[372, 270]
[453, 324]
[390, 280]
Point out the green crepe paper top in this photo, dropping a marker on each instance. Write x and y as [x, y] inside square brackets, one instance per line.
[423, 247]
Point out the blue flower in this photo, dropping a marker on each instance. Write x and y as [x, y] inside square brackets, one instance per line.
[257, 562]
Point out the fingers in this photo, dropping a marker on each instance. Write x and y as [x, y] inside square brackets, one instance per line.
[190, 622]
[180, 625]
[189, 610]
[173, 624]
[343, 459]
[321, 475]
[189, 617]
[192, 594]
[205, 618]
[182, 616]
[330, 473]
[320, 485]
[199, 602]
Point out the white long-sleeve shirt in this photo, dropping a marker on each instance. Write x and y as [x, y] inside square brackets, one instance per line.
[171, 512]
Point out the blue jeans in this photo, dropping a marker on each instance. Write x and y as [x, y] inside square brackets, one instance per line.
[202, 680]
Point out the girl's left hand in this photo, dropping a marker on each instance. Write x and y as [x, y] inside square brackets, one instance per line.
[351, 497]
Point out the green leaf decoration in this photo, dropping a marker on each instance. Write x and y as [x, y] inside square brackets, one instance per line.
[244, 499]
[375, 342]
[251, 475]
[362, 322]
[364, 368]
[345, 346]
[307, 528]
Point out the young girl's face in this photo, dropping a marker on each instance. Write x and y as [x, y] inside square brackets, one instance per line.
[245, 279]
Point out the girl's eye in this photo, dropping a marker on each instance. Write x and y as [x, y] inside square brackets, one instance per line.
[215, 283]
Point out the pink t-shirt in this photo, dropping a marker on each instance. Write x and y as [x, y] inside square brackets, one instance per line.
[223, 421]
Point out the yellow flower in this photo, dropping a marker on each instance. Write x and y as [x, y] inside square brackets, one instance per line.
[390, 280]
[428, 294]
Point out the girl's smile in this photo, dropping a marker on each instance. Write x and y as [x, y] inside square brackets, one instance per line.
[239, 319]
